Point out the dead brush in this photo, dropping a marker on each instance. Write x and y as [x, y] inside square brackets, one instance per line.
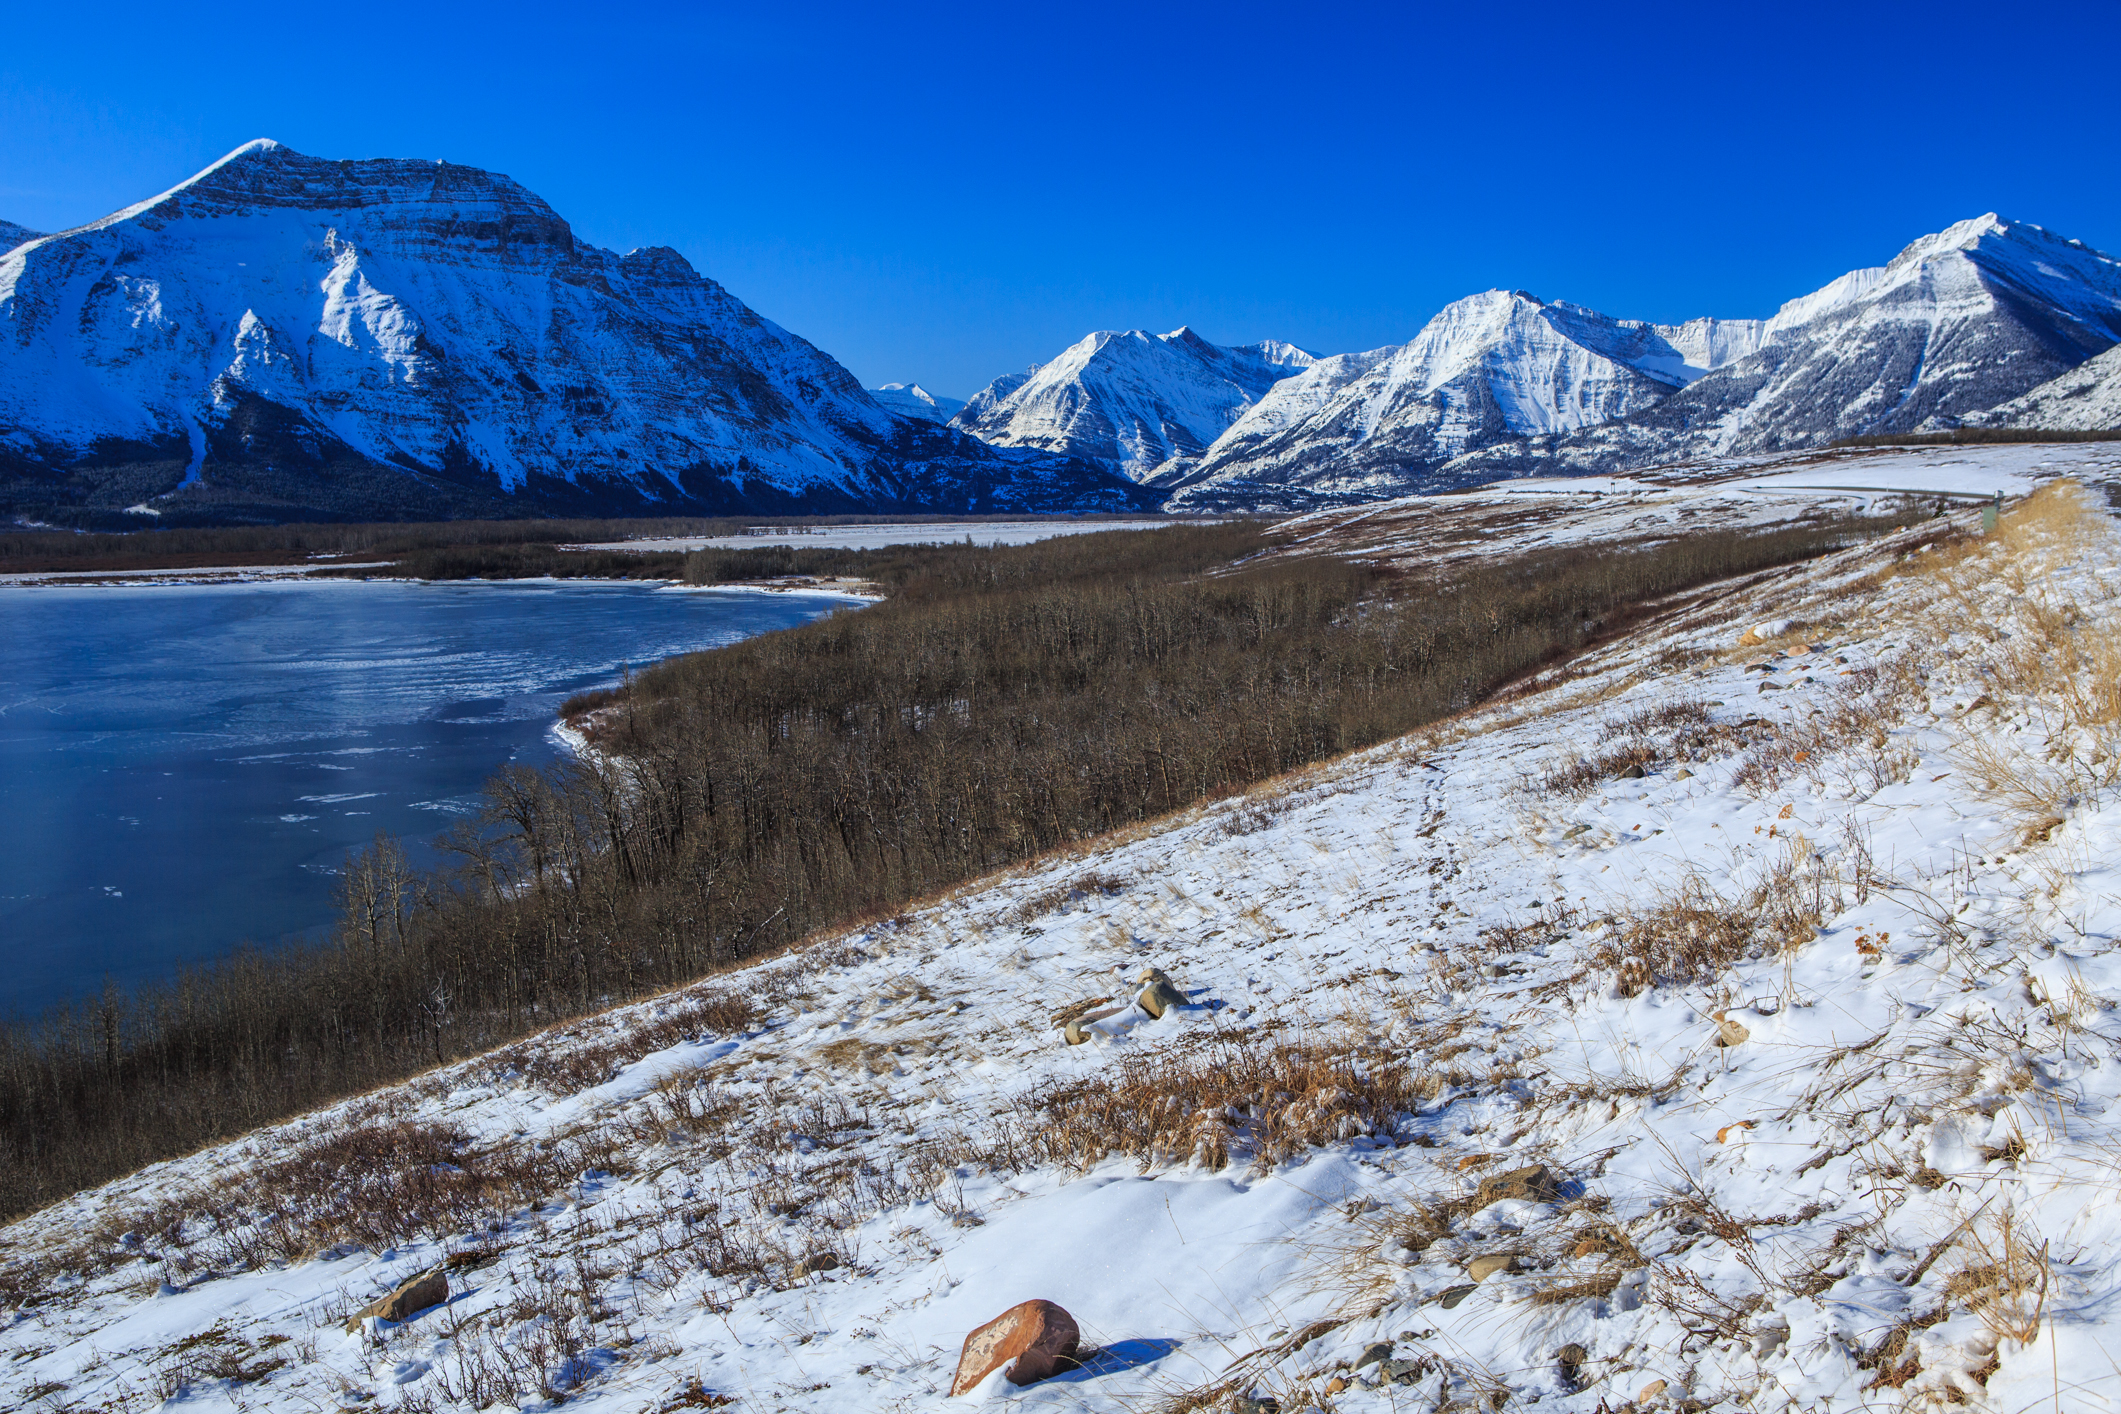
[1052, 900]
[1671, 732]
[1852, 733]
[561, 1064]
[376, 1186]
[1217, 1101]
[1696, 934]
[2004, 1276]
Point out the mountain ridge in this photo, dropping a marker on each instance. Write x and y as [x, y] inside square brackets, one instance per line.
[1957, 323]
[282, 335]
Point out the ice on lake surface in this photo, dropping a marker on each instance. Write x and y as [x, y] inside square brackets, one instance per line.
[185, 768]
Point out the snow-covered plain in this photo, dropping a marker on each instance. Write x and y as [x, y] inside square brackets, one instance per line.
[1868, 836]
[877, 537]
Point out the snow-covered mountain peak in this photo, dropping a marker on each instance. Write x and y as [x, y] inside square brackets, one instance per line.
[912, 400]
[1492, 366]
[2071, 277]
[1131, 398]
[346, 328]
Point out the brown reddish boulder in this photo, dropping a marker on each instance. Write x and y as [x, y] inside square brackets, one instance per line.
[408, 1300]
[1038, 1336]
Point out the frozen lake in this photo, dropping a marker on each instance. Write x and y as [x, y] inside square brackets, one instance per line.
[183, 768]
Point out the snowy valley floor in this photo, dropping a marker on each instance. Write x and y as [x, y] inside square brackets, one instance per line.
[1858, 819]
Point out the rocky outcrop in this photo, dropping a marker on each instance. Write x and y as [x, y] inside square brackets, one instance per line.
[405, 1301]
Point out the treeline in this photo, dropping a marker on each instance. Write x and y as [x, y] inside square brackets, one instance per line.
[33, 551]
[1974, 436]
[1000, 703]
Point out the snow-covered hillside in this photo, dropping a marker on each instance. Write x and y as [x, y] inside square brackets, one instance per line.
[1497, 365]
[912, 400]
[333, 335]
[2085, 399]
[1725, 1019]
[1133, 400]
[12, 235]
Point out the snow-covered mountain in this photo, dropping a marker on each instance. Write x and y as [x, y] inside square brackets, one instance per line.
[2085, 399]
[284, 335]
[1495, 366]
[912, 400]
[1131, 400]
[12, 235]
[1957, 324]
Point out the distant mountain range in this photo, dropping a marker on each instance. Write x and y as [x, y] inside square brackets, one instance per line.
[1988, 323]
[288, 337]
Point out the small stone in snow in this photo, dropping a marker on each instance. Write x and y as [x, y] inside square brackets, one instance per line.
[1372, 1354]
[1159, 997]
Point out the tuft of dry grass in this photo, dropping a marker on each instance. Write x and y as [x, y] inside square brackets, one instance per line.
[2003, 1276]
[1220, 1101]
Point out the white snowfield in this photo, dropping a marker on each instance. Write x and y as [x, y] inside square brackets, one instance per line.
[1876, 852]
[1720, 493]
[877, 537]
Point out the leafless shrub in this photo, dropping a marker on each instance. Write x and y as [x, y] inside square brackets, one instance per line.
[2004, 1276]
[1086, 886]
[563, 1068]
[1668, 733]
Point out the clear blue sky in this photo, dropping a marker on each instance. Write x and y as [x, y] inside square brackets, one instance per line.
[947, 193]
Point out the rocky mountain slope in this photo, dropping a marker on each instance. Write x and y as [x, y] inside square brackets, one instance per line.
[1499, 385]
[2085, 399]
[283, 335]
[1958, 323]
[912, 400]
[12, 235]
[1725, 1020]
[1498, 365]
[1131, 400]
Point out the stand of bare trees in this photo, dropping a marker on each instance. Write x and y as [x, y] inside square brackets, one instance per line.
[1000, 703]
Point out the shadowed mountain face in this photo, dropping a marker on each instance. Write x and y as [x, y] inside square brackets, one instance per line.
[284, 336]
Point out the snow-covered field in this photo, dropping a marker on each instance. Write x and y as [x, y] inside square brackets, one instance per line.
[1716, 493]
[877, 537]
[1857, 818]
